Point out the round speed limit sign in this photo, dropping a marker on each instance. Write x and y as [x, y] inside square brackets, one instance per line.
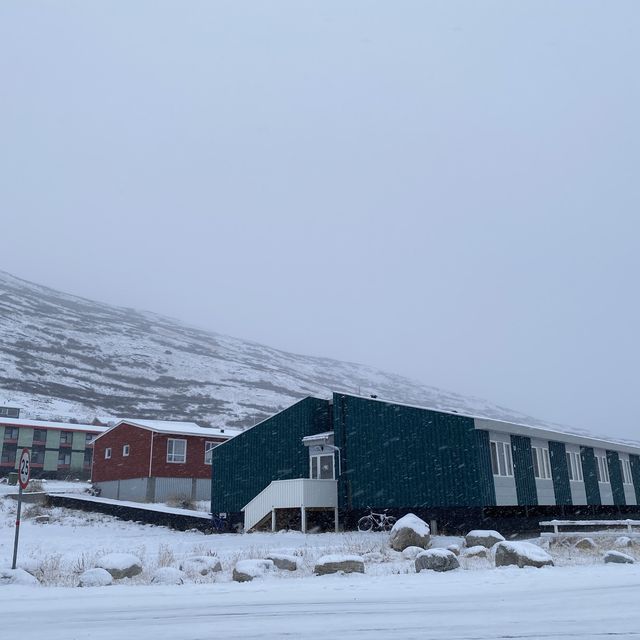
[24, 468]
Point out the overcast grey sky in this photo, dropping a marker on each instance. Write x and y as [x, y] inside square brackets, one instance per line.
[448, 190]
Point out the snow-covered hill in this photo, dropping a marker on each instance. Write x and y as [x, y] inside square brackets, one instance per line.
[67, 357]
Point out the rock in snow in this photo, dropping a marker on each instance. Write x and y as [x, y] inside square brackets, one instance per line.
[203, 565]
[95, 578]
[436, 560]
[284, 562]
[410, 553]
[623, 541]
[335, 562]
[247, 570]
[16, 576]
[483, 538]
[476, 552]
[167, 575]
[522, 554]
[586, 544]
[409, 531]
[120, 565]
[454, 548]
[618, 557]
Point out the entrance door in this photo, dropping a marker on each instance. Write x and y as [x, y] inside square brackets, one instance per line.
[322, 467]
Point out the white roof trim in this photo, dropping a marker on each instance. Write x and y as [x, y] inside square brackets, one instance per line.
[176, 428]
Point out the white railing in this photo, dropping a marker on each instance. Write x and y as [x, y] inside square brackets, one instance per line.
[288, 494]
[556, 524]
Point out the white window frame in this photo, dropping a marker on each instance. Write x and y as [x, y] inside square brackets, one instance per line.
[209, 446]
[171, 454]
[603, 470]
[627, 477]
[107, 453]
[541, 463]
[502, 462]
[574, 466]
[126, 450]
[314, 461]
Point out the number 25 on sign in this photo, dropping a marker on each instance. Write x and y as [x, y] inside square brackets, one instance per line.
[24, 471]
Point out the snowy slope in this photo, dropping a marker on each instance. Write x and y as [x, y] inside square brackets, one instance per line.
[64, 356]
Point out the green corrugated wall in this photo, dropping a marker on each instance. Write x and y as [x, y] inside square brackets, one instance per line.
[399, 456]
[523, 471]
[634, 461]
[615, 476]
[272, 450]
[590, 475]
[560, 473]
[486, 485]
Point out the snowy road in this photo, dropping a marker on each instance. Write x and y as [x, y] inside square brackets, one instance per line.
[572, 602]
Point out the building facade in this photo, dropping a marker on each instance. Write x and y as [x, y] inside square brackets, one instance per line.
[58, 449]
[155, 460]
[460, 470]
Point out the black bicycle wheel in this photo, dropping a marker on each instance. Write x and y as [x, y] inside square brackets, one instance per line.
[365, 523]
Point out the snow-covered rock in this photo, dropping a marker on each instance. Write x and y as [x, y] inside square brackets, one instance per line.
[483, 538]
[618, 557]
[586, 544]
[454, 548]
[95, 578]
[522, 554]
[623, 541]
[284, 562]
[410, 553]
[436, 560]
[409, 531]
[247, 570]
[167, 575]
[120, 565]
[203, 565]
[476, 552]
[334, 563]
[16, 576]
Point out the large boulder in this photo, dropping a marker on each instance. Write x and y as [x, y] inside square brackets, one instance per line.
[247, 570]
[623, 541]
[483, 538]
[436, 560]
[618, 557]
[167, 575]
[204, 565]
[521, 554]
[16, 576]
[454, 548]
[284, 562]
[120, 565]
[476, 552]
[409, 531]
[335, 562]
[586, 544]
[95, 578]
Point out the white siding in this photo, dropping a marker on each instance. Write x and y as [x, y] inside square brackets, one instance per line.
[578, 491]
[546, 494]
[505, 486]
[606, 494]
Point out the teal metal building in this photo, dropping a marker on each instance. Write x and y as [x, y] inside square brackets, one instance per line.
[337, 458]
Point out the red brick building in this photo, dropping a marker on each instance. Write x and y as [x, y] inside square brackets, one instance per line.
[155, 460]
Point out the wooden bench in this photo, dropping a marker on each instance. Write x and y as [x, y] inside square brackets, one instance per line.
[556, 524]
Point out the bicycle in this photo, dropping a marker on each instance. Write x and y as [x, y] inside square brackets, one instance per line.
[376, 521]
[219, 522]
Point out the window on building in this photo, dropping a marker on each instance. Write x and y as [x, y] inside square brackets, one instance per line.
[541, 463]
[176, 450]
[602, 469]
[574, 466]
[11, 433]
[322, 467]
[88, 457]
[66, 437]
[39, 435]
[89, 437]
[64, 458]
[107, 453]
[208, 448]
[627, 478]
[501, 460]
[125, 450]
[37, 455]
[9, 452]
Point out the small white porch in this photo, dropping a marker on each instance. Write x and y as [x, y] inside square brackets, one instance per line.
[300, 493]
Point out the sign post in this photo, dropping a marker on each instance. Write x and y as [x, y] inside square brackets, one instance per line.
[24, 471]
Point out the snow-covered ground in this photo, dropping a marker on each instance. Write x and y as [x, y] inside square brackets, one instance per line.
[580, 597]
